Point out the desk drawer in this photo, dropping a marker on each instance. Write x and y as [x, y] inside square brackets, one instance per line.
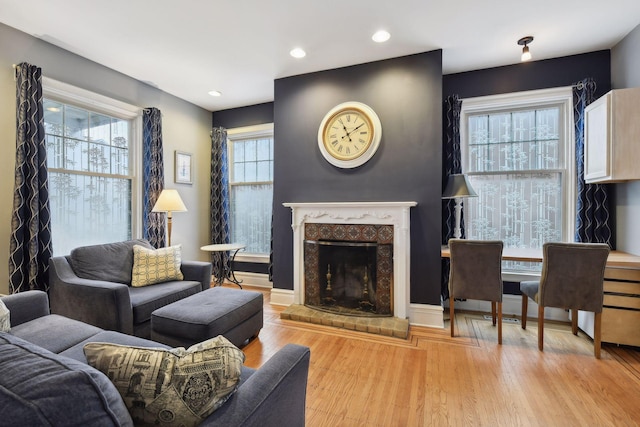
[621, 326]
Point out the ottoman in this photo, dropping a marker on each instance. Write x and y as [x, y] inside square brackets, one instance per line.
[234, 313]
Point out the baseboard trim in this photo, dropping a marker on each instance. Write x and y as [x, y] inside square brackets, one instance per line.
[281, 296]
[426, 315]
[259, 280]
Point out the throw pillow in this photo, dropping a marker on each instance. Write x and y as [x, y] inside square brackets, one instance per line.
[175, 387]
[152, 266]
[5, 318]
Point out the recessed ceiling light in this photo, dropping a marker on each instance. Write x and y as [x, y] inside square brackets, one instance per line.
[381, 36]
[215, 93]
[298, 53]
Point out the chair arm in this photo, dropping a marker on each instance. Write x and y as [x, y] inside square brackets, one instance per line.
[26, 306]
[199, 271]
[275, 395]
[106, 305]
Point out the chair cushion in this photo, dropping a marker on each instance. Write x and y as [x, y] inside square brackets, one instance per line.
[156, 266]
[45, 332]
[146, 299]
[38, 387]
[530, 289]
[5, 318]
[174, 387]
[111, 262]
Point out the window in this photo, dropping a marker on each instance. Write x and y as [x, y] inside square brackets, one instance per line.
[518, 152]
[251, 189]
[91, 173]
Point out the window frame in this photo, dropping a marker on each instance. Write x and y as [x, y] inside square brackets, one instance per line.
[238, 134]
[82, 98]
[561, 97]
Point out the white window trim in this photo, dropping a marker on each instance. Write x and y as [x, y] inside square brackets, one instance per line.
[248, 132]
[510, 101]
[69, 94]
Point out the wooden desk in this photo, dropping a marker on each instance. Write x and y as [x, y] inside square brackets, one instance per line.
[621, 311]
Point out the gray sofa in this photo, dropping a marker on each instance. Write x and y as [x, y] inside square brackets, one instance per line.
[45, 379]
[92, 284]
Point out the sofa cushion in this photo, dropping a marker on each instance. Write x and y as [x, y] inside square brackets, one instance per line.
[146, 299]
[5, 318]
[77, 351]
[54, 332]
[156, 266]
[111, 262]
[174, 387]
[38, 387]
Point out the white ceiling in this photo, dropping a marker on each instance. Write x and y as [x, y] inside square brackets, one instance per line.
[239, 47]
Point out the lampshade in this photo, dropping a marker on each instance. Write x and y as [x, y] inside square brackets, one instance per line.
[458, 186]
[169, 201]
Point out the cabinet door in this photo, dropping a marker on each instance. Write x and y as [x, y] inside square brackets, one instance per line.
[596, 140]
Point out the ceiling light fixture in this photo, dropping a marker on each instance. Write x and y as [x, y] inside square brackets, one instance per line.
[526, 55]
[381, 36]
[215, 93]
[298, 53]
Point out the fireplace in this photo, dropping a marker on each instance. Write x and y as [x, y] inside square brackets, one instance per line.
[349, 268]
[383, 225]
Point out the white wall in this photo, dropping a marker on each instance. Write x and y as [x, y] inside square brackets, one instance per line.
[185, 127]
[625, 73]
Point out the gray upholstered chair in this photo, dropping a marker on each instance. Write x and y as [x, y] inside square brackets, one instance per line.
[572, 278]
[476, 273]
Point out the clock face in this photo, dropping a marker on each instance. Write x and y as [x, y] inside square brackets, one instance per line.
[349, 134]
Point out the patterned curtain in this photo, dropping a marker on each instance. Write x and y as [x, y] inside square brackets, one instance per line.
[30, 247]
[153, 177]
[592, 208]
[219, 205]
[451, 164]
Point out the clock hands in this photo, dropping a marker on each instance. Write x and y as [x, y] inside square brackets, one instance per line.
[355, 129]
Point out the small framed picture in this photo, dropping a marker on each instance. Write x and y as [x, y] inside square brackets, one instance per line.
[184, 168]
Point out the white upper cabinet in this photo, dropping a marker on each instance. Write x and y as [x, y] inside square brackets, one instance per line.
[612, 137]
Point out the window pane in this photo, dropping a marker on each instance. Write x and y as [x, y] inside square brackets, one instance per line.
[88, 210]
[264, 149]
[251, 216]
[250, 151]
[522, 210]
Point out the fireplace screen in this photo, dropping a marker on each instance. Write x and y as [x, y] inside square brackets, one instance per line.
[349, 277]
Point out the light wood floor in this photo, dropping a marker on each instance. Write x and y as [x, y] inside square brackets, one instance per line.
[431, 379]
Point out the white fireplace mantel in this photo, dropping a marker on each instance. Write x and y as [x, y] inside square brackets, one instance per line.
[377, 213]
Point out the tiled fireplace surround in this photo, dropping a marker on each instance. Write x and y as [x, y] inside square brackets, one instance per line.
[395, 214]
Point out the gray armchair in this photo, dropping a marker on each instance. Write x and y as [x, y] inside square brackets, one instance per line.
[92, 284]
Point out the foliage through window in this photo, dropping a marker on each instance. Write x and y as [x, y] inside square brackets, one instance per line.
[516, 160]
[251, 192]
[90, 176]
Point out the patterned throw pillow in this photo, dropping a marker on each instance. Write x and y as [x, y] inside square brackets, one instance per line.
[152, 266]
[174, 387]
[5, 318]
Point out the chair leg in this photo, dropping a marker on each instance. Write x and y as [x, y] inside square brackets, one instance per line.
[574, 321]
[540, 327]
[493, 312]
[525, 307]
[451, 315]
[597, 329]
[500, 322]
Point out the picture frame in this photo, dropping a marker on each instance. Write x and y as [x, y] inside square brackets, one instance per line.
[183, 168]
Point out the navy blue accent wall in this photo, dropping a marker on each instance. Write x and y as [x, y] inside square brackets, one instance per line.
[244, 116]
[533, 75]
[406, 93]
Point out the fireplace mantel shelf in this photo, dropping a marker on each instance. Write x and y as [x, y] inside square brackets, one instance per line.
[393, 213]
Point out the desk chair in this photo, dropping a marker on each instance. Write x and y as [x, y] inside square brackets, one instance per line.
[476, 273]
[572, 278]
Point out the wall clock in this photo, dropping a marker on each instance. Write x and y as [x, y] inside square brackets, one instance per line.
[349, 134]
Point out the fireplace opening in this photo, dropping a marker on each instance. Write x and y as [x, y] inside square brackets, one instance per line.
[347, 276]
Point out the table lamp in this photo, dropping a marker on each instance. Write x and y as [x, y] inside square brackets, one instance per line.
[457, 188]
[169, 201]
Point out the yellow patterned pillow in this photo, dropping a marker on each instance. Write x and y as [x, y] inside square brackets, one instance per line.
[174, 387]
[156, 266]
